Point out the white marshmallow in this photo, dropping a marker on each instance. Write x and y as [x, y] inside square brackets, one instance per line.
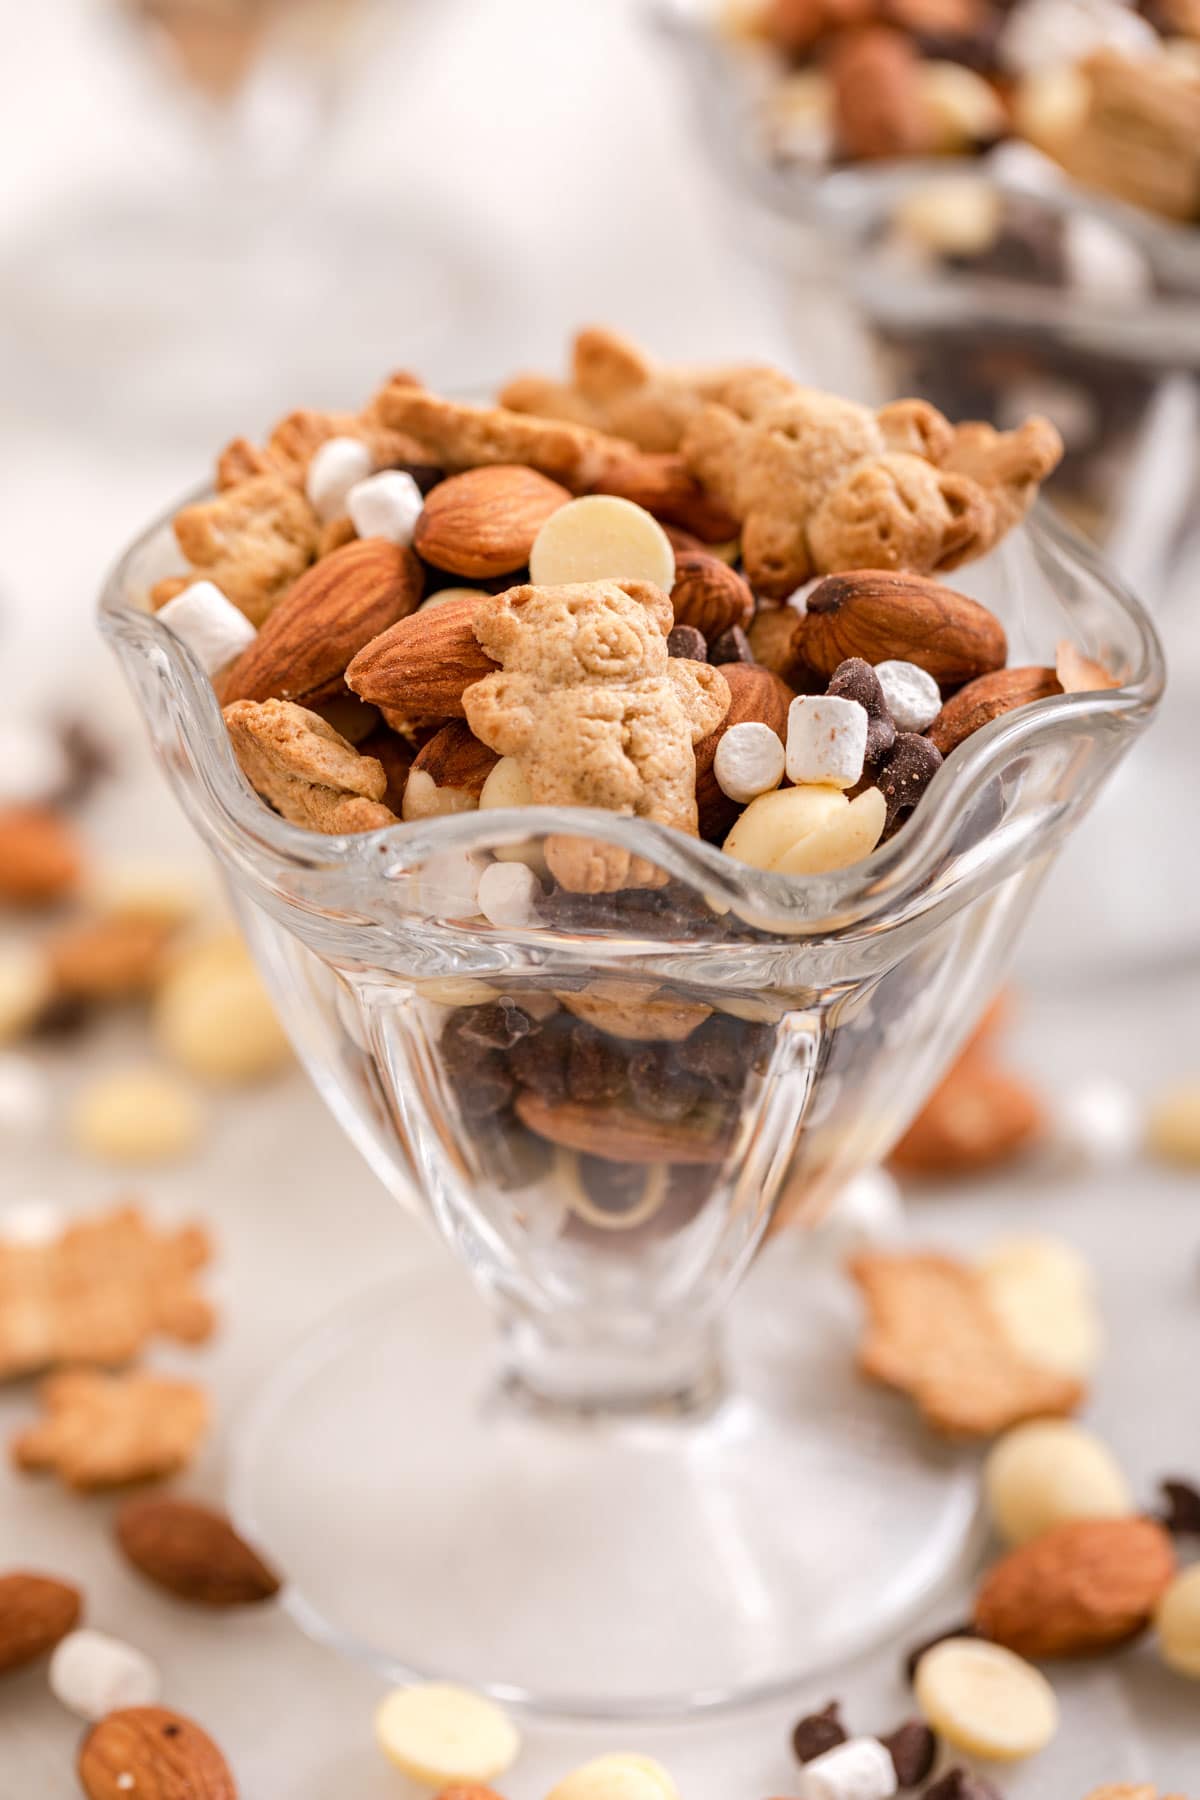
[826, 741]
[913, 696]
[798, 598]
[1099, 1121]
[1102, 260]
[211, 626]
[509, 893]
[93, 1675]
[859, 1769]
[34, 765]
[31, 1223]
[868, 1211]
[1042, 34]
[749, 761]
[25, 1106]
[339, 464]
[448, 885]
[386, 506]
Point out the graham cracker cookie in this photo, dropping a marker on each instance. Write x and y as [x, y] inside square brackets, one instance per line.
[104, 1431]
[308, 771]
[252, 540]
[99, 1292]
[932, 1333]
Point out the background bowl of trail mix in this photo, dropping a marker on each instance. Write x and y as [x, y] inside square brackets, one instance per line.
[1008, 198]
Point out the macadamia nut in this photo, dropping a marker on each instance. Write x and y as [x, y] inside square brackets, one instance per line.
[807, 830]
[1178, 1624]
[1050, 1472]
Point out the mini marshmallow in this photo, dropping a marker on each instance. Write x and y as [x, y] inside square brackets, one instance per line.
[509, 893]
[749, 761]
[868, 1211]
[93, 1675]
[859, 1769]
[211, 626]
[826, 741]
[1099, 1121]
[448, 885]
[386, 506]
[34, 765]
[338, 465]
[913, 696]
[25, 1106]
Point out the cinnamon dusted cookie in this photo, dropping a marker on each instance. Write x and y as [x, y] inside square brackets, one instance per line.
[596, 712]
[933, 1333]
[99, 1292]
[103, 1431]
[307, 770]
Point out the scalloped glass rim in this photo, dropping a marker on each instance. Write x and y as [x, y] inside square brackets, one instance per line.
[896, 881]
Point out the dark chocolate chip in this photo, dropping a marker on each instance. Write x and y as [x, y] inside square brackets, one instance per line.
[952, 1631]
[539, 1061]
[596, 1068]
[486, 1089]
[64, 1017]
[1182, 1514]
[913, 1750]
[685, 640]
[732, 646]
[89, 761]
[722, 1052]
[906, 774]
[855, 679]
[660, 1088]
[497, 1026]
[426, 475]
[960, 1784]
[819, 1732]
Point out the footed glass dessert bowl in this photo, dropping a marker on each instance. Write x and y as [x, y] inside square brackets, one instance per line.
[571, 1464]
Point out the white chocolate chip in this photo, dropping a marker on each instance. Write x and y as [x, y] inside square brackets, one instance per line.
[93, 1675]
[912, 695]
[1043, 1291]
[859, 1769]
[826, 740]
[338, 465]
[438, 1734]
[1049, 1472]
[34, 765]
[210, 625]
[1178, 1624]
[387, 505]
[509, 893]
[135, 1116]
[748, 761]
[24, 1097]
[621, 1777]
[985, 1700]
[213, 1016]
[602, 538]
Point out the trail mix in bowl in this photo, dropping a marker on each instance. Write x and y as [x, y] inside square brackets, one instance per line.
[706, 598]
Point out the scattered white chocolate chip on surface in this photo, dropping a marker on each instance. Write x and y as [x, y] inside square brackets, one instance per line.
[386, 505]
[859, 1769]
[1043, 1292]
[1048, 1473]
[212, 1015]
[92, 1675]
[212, 627]
[337, 465]
[509, 894]
[749, 761]
[135, 1115]
[618, 1777]
[438, 1734]
[1177, 1621]
[912, 695]
[602, 538]
[826, 740]
[986, 1700]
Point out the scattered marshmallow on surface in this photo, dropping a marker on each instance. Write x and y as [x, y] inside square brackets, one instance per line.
[868, 1211]
[339, 464]
[509, 893]
[749, 761]
[859, 1769]
[827, 740]
[386, 506]
[34, 765]
[93, 1675]
[912, 695]
[25, 1107]
[211, 626]
[1099, 1121]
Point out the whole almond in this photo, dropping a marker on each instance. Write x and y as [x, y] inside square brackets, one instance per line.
[616, 1132]
[708, 594]
[482, 523]
[108, 958]
[150, 1753]
[877, 101]
[662, 484]
[448, 772]
[337, 606]
[756, 696]
[422, 665]
[1080, 1587]
[979, 1117]
[35, 1612]
[883, 617]
[193, 1551]
[988, 698]
[40, 856]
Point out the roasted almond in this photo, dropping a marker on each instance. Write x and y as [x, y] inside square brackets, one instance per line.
[877, 101]
[448, 773]
[340, 604]
[988, 698]
[192, 1551]
[1079, 1587]
[35, 1612]
[617, 1133]
[979, 1117]
[41, 859]
[420, 667]
[663, 485]
[882, 616]
[149, 1753]
[108, 958]
[708, 594]
[756, 696]
[482, 523]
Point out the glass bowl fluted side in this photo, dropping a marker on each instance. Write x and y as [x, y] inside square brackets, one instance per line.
[605, 1111]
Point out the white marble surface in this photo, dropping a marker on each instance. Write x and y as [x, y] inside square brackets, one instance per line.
[615, 223]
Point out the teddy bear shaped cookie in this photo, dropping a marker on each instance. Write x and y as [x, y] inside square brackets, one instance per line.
[822, 484]
[597, 713]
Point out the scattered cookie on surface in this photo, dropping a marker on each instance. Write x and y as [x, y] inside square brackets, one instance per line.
[104, 1431]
